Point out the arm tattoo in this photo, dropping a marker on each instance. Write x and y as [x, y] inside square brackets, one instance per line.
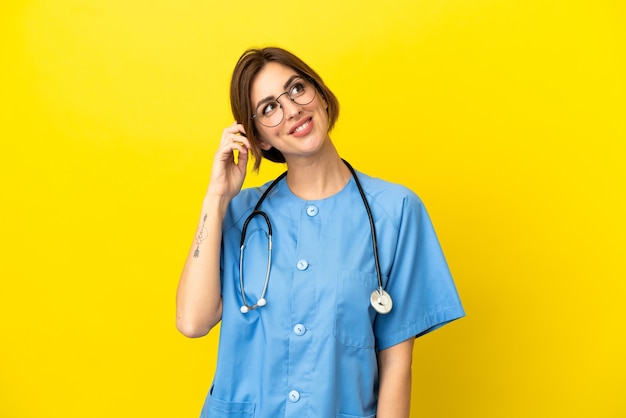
[201, 234]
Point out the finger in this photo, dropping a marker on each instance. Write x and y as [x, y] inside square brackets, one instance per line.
[239, 146]
[239, 127]
[241, 143]
[231, 150]
[242, 157]
[235, 133]
[236, 128]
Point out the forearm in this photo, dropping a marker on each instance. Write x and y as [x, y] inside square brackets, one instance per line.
[199, 295]
[198, 299]
[394, 393]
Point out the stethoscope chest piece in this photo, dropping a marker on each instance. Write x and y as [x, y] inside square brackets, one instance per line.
[381, 301]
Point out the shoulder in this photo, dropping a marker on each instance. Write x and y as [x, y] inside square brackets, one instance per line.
[242, 204]
[377, 187]
[392, 199]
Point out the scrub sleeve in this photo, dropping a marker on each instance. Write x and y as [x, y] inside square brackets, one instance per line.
[421, 286]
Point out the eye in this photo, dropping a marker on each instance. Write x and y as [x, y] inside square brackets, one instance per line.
[297, 89]
[269, 108]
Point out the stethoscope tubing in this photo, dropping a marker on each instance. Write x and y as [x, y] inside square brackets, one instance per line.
[381, 301]
[261, 302]
[372, 226]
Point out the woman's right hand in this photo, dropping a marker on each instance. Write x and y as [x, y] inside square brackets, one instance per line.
[227, 175]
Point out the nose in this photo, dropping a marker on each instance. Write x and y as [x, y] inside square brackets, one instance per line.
[290, 108]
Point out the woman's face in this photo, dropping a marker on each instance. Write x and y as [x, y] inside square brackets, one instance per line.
[303, 129]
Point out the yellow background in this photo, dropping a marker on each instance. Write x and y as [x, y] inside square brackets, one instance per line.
[506, 117]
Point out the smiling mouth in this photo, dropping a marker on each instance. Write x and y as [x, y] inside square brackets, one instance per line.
[301, 127]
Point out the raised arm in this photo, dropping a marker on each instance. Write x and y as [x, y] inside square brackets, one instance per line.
[198, 299]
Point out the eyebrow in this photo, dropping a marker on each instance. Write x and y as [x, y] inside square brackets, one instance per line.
[270, 98]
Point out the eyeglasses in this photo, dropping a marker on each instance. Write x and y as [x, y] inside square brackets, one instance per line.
[270, 112]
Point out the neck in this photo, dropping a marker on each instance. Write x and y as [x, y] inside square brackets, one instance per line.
[318, 177]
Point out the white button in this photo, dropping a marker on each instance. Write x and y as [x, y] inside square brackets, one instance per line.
[299, 329]
[311, 210]
[302, 264]
[294, 396]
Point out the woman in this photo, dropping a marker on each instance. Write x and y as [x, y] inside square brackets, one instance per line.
[309, 328]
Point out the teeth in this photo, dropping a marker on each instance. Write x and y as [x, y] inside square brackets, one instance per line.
[301, 127]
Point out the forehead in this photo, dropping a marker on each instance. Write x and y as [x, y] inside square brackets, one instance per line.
[270, 81]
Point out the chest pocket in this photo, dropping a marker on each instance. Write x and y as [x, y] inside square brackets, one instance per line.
[354, 316]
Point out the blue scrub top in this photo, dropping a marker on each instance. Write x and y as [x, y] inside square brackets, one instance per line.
[311, 351]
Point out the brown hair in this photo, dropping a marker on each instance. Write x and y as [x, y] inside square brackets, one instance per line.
[248, 66]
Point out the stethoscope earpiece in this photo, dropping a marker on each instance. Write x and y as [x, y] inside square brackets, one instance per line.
[248, 308]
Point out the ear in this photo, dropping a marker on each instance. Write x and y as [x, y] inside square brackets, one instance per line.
[324, 101]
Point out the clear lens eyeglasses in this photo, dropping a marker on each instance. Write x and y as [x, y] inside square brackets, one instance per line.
[270, 113]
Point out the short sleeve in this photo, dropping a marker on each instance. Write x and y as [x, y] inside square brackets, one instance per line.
[420, 284]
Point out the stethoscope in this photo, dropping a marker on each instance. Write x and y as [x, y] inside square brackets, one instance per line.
[379, 299]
